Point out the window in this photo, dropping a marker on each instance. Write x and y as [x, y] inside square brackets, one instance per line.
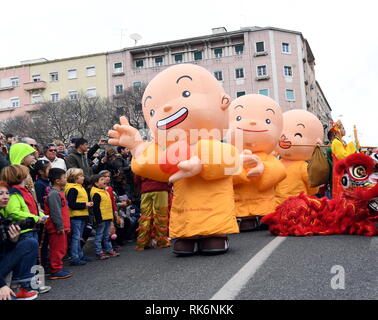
[72, 95]
[36, 98]
[91, 71]
[139, 63]
[264, 92]
[158, 61]
[240, 93]
[261, 71]
[218, 52]
[15, 82]
[239, 73]
[36, 77]
[54, 97]
[118, 67]
[137, 84]
[178, 58]
[260, 46]
[290, 96]
[285, 47]
[91, 92]
[72, 74]
[198, 55]
[239, 49]
[218, 75]
[118, 88]
[288, 71]
[15, 102]
[54, 76]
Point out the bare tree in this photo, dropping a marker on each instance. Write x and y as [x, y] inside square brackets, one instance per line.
[129, 104]
[83, 117]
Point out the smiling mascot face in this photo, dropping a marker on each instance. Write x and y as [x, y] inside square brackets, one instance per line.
[300, 127]
[258, 119]
[183, 98]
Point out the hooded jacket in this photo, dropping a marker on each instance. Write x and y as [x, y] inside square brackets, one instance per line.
[19, 151]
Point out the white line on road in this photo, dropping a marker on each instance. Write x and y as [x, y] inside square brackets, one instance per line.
[233, 287]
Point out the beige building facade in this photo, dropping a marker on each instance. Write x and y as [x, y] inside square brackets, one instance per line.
[42, 80]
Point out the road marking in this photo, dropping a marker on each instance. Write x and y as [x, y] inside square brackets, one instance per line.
[373, 244]
[233, 287]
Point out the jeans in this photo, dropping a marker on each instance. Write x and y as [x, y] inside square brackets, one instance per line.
[77, 228]
[29, 234]
[20, 260]
[103, 237]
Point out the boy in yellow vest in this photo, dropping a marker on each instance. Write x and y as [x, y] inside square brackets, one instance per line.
[103, 214]
[78, 203]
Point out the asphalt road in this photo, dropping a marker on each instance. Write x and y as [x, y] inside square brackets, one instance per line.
[299, 268]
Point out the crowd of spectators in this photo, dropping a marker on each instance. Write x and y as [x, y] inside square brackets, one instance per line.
[44, 185]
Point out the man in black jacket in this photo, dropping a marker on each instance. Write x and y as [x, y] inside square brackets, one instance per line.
[78, 158]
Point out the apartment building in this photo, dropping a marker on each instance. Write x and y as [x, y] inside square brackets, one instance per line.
[13, 96]
[42, 80]
[275, 62]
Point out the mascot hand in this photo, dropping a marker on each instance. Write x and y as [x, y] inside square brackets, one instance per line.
[188, 168]
[248, 159]
[258, 170]
[125, 135]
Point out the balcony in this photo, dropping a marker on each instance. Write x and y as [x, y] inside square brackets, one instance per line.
[32, 86]
[7, 88]
[118, 72]
[261, 53]
[263, 77]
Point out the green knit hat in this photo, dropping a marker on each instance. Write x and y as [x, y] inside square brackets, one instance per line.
[19, 151]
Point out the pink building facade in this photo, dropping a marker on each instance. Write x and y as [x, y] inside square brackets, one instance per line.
[275, 62]
[14, 95]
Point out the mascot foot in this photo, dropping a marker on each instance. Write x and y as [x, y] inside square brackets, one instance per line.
[185, 247]
[214, 245]
[248, 224]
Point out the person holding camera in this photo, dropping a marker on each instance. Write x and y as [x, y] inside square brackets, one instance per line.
[21, 204]
[15, 256]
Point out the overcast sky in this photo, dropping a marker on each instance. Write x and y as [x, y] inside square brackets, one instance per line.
[342, 35]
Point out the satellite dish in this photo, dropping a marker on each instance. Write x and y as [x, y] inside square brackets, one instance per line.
[136, 37]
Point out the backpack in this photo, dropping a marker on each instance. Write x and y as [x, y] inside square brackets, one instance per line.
[318, 168]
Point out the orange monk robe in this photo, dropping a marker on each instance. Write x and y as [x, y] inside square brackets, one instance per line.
[296, 181]
[202, 205]
[257, 196]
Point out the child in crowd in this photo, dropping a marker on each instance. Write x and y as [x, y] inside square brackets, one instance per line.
[106, 174]
[127, 220]
[153, 223]
[41, 169]
[103, 214]
[58, 224]
[21, 204]
[42, 187]
[78, 203]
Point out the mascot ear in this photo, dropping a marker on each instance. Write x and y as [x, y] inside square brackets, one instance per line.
[226, 100]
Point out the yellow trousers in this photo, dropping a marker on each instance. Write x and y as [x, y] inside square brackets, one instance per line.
[153, 222]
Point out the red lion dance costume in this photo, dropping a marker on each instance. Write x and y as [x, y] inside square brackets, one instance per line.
[354, 213]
